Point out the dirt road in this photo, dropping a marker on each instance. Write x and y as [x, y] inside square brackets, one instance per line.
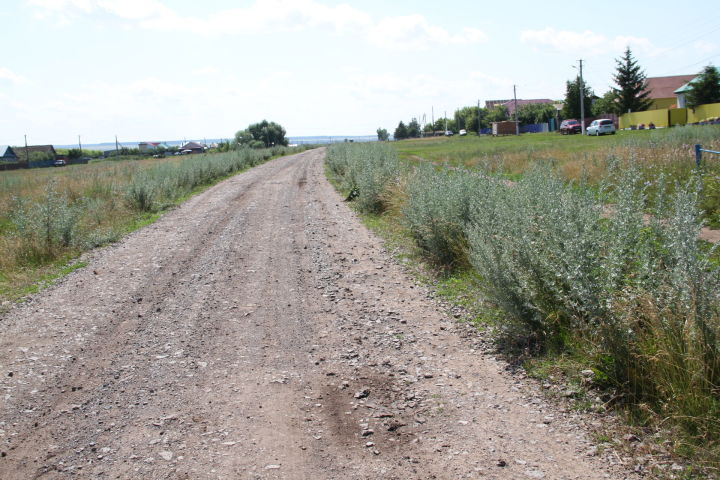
[259, 331]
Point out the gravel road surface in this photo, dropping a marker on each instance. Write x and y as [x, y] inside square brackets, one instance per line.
[259, 331]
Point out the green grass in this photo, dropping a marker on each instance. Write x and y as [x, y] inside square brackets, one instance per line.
[458, 149]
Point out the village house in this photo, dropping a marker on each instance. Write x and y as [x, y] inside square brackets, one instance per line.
[193, 147]
[7, 154]
[662, 90]
[25, 155]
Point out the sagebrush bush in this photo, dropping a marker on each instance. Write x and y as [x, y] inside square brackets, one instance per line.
[438, 209]
[365, 170]
[95, 209]
[46, 227]
[614, 273]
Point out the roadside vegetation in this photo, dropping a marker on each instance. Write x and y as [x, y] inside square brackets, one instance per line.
[49, 216]
[595, 268]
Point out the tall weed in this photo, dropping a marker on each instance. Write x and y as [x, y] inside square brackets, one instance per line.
[613, 272]
[47, 228]
[438, 208]
[365, 171]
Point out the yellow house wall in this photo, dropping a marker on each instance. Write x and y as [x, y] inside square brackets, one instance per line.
[658, 117]
[663, 103]
[703, 112]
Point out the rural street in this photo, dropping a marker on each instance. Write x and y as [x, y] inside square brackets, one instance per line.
[259, 331]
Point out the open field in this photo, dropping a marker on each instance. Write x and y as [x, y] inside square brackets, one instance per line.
[48, 216]
[663, 152]
[571, 154]
[628, 295]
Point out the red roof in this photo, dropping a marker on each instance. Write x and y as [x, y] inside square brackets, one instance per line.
[663, 87]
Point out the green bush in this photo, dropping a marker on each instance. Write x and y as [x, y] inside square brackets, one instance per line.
[48, 226]
[438, 210]
[365, 170]
[613, 273]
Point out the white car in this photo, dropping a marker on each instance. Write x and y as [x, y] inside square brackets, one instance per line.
[601, 126]
[462, 132]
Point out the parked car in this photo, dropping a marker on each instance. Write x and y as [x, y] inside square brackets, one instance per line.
[570, 126]
[59, 163]
[448, 133]
[462, 132]
[601, 126]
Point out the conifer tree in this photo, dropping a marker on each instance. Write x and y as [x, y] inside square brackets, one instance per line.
[705, 88]
[631, 93]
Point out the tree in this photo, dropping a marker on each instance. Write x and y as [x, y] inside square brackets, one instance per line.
[467, 118]
[413, 129]
[705, 88]
[631, 94]
[571, 109]
[498, 114]
[383, 135]
[606, 104]
[401, 132]
[262, 135]
[536, 113]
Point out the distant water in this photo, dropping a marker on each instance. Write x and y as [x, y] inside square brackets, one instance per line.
[320, 139]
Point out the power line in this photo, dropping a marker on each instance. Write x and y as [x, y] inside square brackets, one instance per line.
[692, 64]
[698, 37]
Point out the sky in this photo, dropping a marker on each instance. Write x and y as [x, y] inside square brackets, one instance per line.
[153, 70]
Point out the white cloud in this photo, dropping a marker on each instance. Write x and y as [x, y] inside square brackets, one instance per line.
[586, 42]
[10, 76]
[411, 32]
[415, 32]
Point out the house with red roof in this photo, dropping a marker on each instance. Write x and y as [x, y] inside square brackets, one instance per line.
[662, 90]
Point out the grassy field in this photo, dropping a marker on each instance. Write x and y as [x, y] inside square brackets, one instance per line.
[48, 216]
[663, 152]
[565, 286]
[572, 154]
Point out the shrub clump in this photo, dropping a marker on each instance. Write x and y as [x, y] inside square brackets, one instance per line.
[614, 274]
[364, 171]
[47, 227]
[438, 209]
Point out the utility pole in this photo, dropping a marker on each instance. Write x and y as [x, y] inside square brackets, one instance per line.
[582, 100]
[478, 117]
[117, 149]
[445, 113]
[80, 145]
[517, 125]
[27, 153]
[432, 116]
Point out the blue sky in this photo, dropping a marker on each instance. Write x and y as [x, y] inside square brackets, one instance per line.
[173, 69]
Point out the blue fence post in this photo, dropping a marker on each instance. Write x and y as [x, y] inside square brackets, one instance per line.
[698, 155]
